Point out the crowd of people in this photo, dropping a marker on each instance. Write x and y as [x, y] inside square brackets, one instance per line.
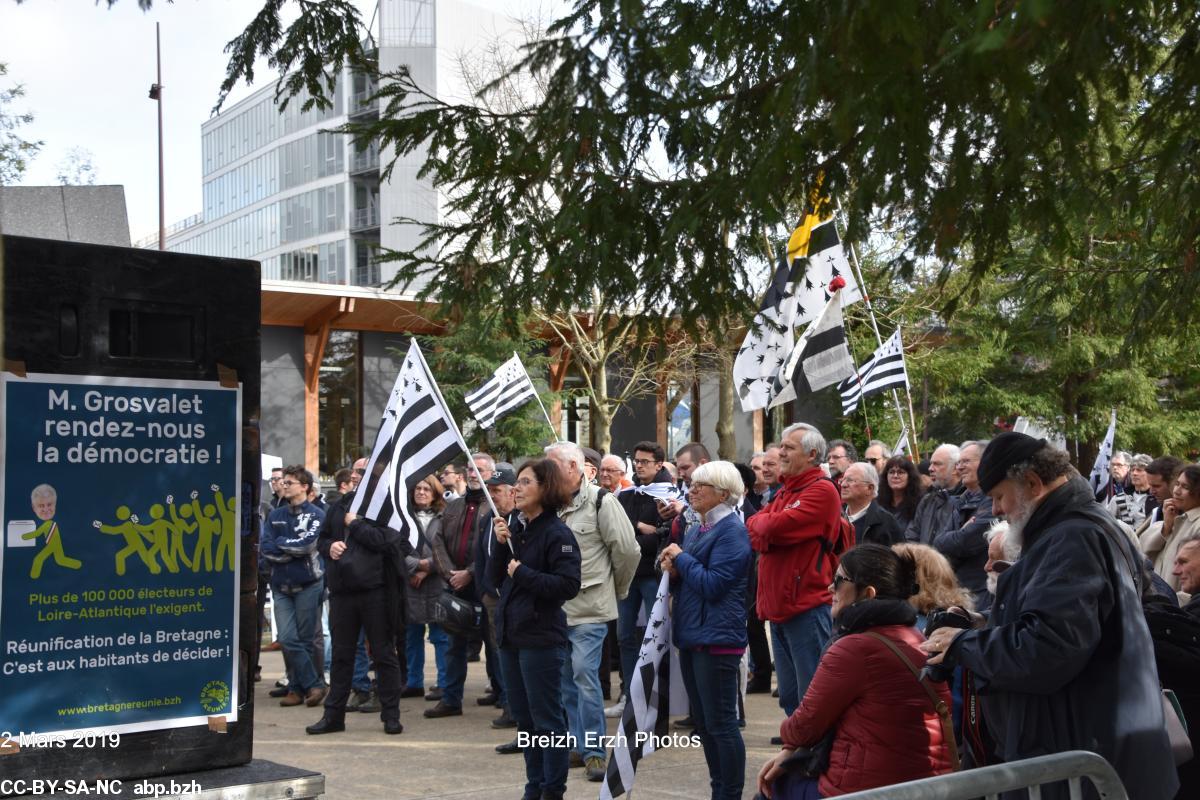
[985, 606]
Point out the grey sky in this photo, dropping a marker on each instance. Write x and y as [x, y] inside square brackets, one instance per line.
[87, 72]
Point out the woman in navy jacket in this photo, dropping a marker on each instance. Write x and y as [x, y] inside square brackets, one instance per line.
[708, 578]
[542, 563]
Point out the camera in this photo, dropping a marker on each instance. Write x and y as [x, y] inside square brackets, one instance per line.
[944, 618]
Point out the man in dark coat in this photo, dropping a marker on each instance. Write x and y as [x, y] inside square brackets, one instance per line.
[964, 541]
[1066, 661]
[872, 525]
[936, 508]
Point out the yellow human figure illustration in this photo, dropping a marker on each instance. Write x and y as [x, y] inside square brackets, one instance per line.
[134, 541]
[209, 526]
[45, 504]
[229, 527]
[158, 532]
[180, 527]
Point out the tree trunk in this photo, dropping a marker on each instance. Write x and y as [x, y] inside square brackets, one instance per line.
[726, 440]
[601, 410]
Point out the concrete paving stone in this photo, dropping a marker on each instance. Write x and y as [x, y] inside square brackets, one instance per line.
[453, 757]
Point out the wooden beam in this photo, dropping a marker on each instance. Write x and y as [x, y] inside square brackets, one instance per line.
[316, 337]
[558, 378]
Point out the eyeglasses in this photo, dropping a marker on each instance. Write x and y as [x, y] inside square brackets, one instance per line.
[897, 471]
[360, 472]
[1000, 566]
[852, 481]
[288, 483]
[275, 478]
[617, 470]
[839, 579]
[641, 462]
[526, 482]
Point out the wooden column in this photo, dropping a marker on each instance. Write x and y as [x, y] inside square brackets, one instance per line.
[316, 337]
[558, 378]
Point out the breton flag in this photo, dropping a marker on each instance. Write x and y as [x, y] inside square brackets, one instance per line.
[820, 357]
[798, 293]
[416, 438]
[1100, 476]
[884, 370]
[901, 447]
[648, 706]
[509, 388]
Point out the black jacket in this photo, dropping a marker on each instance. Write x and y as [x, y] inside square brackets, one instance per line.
[1066, 662]
[643, 508]
[964, 544]
[932, 516]
[485, 544]
[371, 555]
[530, 613]
[877, 526]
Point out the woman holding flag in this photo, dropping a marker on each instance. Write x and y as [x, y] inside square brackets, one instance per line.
[708, 578]
[542, 563]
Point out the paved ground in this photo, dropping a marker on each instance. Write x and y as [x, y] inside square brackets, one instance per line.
[453, 757]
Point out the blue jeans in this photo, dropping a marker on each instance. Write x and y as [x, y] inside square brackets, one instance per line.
[798, 643]
[712, 687]
[361, 681]
[297, 616]
[581, 687]
[642, 593]
[414, 651]
[456, 671]
[536, 702]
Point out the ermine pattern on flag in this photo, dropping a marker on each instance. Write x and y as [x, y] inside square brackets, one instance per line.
[820, 357]
[416, 438]
[506, 390]
[884, 370]
[648, 707]
[1100, 476]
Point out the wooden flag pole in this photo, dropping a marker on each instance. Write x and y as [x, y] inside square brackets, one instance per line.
[537, 397]
[854, 264]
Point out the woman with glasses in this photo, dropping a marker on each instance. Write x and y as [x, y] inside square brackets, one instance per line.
[881, 722]
[708, 581]
[542, 564]
[425, 585]
[902, 490]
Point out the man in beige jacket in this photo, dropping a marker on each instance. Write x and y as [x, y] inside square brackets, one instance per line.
[610, 556]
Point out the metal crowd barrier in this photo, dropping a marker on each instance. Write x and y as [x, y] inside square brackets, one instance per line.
[989, 782]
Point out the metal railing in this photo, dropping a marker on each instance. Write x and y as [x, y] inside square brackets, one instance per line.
[989, 782]
[365, 218]
[366, 160]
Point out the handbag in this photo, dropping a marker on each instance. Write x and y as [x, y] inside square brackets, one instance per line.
[939, 705]
[1177, 733]
[809, 762]
[457, 615]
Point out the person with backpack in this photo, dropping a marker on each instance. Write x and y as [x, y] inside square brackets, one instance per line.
[799, 537]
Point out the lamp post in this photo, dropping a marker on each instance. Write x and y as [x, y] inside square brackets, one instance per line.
[156, 95]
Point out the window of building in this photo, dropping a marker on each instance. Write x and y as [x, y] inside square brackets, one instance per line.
[340, 398]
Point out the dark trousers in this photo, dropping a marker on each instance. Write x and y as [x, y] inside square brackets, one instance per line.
[535, 700]
[712, 687]
[760, 652]
[367, 611]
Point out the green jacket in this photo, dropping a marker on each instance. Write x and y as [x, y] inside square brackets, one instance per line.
[609, 552]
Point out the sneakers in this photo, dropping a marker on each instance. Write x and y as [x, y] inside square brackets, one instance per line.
[616, 709]
[595, 768]
[443, 710]
[279, 691]
[505, 720]
[326, 725]
[315, 696]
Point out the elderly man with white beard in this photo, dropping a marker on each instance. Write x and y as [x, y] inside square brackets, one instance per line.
[1066, 661]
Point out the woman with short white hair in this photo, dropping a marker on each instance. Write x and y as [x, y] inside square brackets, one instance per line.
[708, 578]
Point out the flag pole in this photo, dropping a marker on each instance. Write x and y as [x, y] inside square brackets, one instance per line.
[537, 397]
[461, 441]
[878, 338]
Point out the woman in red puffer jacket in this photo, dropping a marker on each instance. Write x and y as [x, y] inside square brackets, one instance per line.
[885, 728]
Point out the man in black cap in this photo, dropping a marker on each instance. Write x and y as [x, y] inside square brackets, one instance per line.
[1066, 661]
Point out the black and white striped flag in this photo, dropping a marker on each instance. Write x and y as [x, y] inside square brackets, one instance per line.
[884, 370]
[648, 706]
[820, 356]
[416, 438]
[509, 388]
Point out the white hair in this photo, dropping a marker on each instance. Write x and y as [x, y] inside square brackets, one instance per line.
[1011, 546]
[810, 440]
[43, 490]
[982, 445]
[951, 451]
[887, 451]
[869, 473]
[485, 458]
[722, 475]
[567, 451]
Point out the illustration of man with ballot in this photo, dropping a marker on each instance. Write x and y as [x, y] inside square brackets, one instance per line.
[45, 501]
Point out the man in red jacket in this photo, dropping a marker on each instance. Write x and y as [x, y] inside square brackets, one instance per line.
[792, 535]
